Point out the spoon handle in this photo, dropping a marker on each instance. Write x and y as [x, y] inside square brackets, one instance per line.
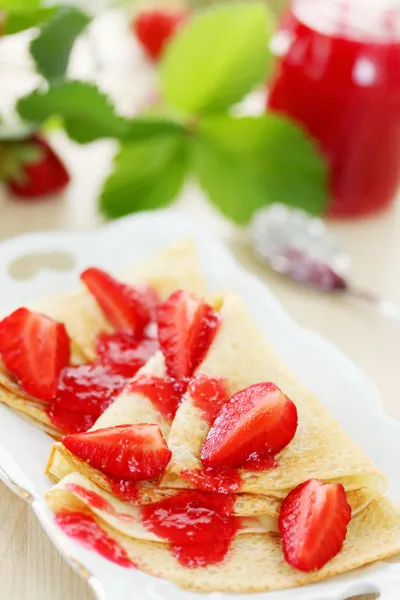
[385, 307]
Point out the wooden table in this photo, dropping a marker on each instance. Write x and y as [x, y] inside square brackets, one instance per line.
[30, 567]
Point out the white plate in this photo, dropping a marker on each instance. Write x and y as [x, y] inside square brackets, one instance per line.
[327, 372]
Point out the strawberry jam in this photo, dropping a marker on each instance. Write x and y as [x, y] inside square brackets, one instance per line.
[339, 76]
[165, 394]
[200, 527]
[123, 354]
[124, 490]
[221, 481]
[260, 461]
[83, 528]
[209, 394]
[84, 392]
[96, 501]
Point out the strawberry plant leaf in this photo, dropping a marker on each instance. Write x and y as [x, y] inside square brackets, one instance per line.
[87, 113]
[229, 182]
[147, 174]
[245, 163]
[19, 4]
[146, 127]
[20, 20]
[217, 58]
[51, 48]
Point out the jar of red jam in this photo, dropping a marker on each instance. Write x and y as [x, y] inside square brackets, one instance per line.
[338, 74]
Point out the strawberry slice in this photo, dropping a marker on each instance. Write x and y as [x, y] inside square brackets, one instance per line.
[154, 28]
[127, 308]
[186, 328]
[35, 349]
[313, 524]
[259, 419]
[129, 452]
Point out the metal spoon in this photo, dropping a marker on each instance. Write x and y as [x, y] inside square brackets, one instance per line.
[301, 248]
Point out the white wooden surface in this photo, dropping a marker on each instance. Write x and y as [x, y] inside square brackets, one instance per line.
[30, 568]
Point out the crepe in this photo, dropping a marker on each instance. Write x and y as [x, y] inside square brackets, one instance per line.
[174, 268]
[131, 408]
[126, 518]
[320, 447]
[254, 562]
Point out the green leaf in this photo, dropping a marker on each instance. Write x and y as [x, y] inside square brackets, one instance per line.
[147, 174]
[87, 113]
[19, 4]
[19, 20]
[246, 163]
[143, 128]
[51, 48]
[217, 58]
[230, 183]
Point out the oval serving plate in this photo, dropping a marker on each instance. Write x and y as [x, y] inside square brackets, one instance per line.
[333, 378]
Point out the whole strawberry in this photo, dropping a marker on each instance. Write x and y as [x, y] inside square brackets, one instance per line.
[35, 170]
[154, 28]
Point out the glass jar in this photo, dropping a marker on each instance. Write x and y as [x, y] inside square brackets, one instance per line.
[338, 74]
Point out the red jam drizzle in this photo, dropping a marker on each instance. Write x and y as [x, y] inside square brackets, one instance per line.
[84, 394]
[260, 461]
[69, 421]
[199, 526]
[124, 354]
[85, 529]
[194, 555]
[209, 394]
[96, 501]
[165, 394]
[221, 481]
[124, 490]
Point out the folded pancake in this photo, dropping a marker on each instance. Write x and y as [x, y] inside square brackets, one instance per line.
[131, 408]
[29, 411]
[320, 448]
[174, 268]
[253, 562]
[127, 518]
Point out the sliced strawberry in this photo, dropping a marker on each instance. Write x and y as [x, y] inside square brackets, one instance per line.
[123, 353]
[35, 349]
[186, 329]
[129, 452]
[259, 419]
[154, 28]
[313, 524]
[126, 307]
